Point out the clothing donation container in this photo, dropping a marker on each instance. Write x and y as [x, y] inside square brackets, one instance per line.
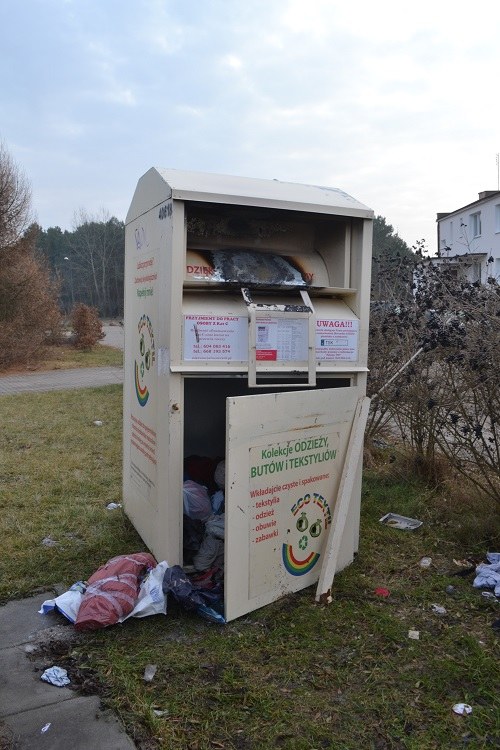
[246, 337]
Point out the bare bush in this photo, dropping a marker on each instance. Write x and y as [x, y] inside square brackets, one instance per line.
[87, 327]
[15, 202]
[446, 402]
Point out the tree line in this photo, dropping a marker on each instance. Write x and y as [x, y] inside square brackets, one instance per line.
[87, 262]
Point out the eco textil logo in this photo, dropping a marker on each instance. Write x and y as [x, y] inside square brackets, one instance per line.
[146, 360]
[307, 534]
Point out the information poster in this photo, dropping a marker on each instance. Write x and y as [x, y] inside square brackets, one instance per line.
[213, 337]
[337, 340]
[281, 339]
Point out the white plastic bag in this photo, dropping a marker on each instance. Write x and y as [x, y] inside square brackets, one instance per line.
[151, 599]
[197, 503]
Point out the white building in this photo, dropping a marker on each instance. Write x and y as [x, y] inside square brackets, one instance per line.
[470, 237]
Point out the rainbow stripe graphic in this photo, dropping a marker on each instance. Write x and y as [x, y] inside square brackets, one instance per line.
[142, 393]
[298, 567]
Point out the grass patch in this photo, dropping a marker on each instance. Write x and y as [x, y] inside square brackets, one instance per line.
[291, 675]
[66, 357]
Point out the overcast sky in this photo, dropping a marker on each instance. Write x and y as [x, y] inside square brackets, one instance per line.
[396, 103]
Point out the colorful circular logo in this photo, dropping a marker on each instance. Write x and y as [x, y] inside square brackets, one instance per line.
[144, 364]
[311, 516]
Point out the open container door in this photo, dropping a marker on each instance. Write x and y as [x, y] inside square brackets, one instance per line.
[284, 458]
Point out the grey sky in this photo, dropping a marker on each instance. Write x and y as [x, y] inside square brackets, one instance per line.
[395, 103]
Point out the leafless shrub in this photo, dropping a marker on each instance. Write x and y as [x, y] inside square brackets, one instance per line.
[446, 402]
[15, 202]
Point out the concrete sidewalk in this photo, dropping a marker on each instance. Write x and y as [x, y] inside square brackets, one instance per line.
[28, 705]
[58, 380]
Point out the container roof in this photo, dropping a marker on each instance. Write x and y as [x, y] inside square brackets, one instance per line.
[158, 185]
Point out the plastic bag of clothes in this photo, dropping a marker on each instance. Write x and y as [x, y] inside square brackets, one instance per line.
[211, 551]
[197, 505]
[190, 596]
[112, 591]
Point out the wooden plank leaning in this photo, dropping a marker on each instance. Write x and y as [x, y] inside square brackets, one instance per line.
[336, 531]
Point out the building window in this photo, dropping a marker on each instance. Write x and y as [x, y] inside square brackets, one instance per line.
[497, 217]
[475, 224]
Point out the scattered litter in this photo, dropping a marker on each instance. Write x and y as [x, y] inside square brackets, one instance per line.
[462, 709]
[450, 589]
[48, 542]
[67, 604]
[46, 727]
[113, 506]
[488, 576]
[98, 423]
[382, 592]
[438, 609]
[400, 522]
[30, 648]
[414, 635]
[425, 562]
[149, 672]
[462, 563]
[488, 594]
[56, 676]
[159, 713]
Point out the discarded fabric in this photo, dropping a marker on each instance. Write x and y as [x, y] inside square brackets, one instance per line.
[220, 475]
[48, 542]
[212, 547]
[56, 676]
[488, 576]
[149, 672]
[438, 609]
[191, 596]
[396, 521]
[112, 591]
[150, 600]
[217, 501]
[462, 709]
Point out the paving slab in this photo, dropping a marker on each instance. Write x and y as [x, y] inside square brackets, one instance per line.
[27, 703]
[20, 621]
[78, 724]
[21, 687]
